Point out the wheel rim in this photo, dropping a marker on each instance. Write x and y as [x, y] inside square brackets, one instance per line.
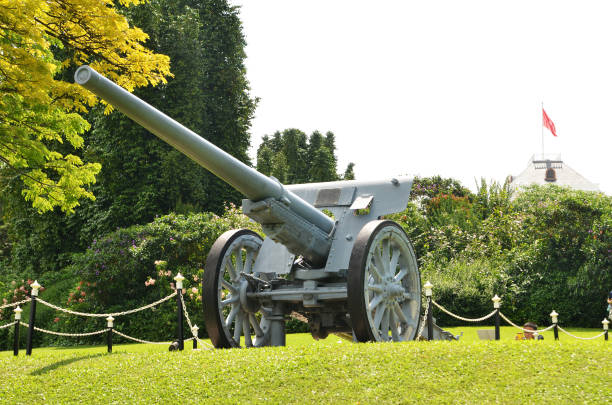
[237, 320]
[390, 285]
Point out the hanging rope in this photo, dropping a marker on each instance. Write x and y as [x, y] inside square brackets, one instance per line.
[204, 344]
[114, 314]
[460, 317]
[578, 337]
[14, 304]
[139, 340]
[8, 324]
[50, 332]
[525, 330]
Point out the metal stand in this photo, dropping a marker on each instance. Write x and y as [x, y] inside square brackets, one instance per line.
[429, 320]
[556, 331]
[497, 324]
[179, 300]
[31, 325]
[16, 339]
[277, 325]
[109, 340]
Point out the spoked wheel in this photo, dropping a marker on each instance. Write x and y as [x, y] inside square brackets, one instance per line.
[228, 312]
[384, 286]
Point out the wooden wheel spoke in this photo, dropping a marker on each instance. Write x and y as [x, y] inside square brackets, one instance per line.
[394, 327]
[394, 260]
[238, 328]
[375, 271]
[386, 256]
[231, 270]
[384, 328]
[247, 332]
[255, 324]
[375, 302]
[376, 288]
[399, 313]
[229, 300]
[228, 286]
[400, 276]
[378, 317]
[248, 264]
[239, 262]
[232, 315]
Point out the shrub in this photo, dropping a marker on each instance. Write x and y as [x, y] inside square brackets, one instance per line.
[135, 266]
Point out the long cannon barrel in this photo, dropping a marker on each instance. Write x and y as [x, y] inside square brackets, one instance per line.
[243, 178]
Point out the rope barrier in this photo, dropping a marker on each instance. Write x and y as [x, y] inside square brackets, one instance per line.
[64, 334]
[460, 317]
[114, 314]
[525, 330]
[14, 304]
[139, 340]
[204, 344]
[423, 322]
[8, 324]
[578, 337]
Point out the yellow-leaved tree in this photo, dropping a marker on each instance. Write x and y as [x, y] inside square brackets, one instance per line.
[40, 40]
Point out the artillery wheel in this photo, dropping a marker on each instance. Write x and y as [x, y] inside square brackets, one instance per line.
[228, 312]
[384, 286]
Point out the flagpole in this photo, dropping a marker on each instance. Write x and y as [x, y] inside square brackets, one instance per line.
[542, 125]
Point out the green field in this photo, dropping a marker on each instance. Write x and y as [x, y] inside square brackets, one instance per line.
[327, 371]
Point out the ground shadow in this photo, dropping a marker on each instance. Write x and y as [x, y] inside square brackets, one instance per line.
[65, 362]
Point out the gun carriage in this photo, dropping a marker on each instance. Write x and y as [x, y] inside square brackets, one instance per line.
[348, 273]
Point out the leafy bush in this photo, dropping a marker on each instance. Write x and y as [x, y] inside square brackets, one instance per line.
[135, 266]
[550, 248]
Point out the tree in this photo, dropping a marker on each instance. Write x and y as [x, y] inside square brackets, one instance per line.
[142, 176]
[296, 158]
[349, 174]
[40, 128]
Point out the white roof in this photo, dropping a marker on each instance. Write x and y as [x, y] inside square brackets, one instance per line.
[563, 175]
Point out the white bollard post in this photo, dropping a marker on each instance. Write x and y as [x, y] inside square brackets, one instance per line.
[109, 336]
[496, 304]
[33, 294]
[18, 312]
[428, 293]
[194, 332]
[179, 299]
[555, 320]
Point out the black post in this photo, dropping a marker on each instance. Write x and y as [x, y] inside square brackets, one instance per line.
[429, 320]
[179, 300]
[31, 325]
[195, 342]
[606, 335]
[556, 330]
[109, 340]
[497, 324]
[16, 337]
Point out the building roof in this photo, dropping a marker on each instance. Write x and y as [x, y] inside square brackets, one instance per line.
[551, 170]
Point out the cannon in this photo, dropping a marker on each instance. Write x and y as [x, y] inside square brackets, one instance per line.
[327, 256]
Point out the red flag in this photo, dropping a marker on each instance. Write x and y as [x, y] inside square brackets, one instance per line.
[547, 122]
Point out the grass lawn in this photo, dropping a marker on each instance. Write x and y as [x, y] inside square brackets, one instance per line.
[326, 371]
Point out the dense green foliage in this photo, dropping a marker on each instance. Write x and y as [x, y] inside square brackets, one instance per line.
[548, 248]
[142, 176]
[119, 272]
[294, 158]
[307, 371]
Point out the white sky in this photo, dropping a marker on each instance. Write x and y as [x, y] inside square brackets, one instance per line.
[437, 87]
